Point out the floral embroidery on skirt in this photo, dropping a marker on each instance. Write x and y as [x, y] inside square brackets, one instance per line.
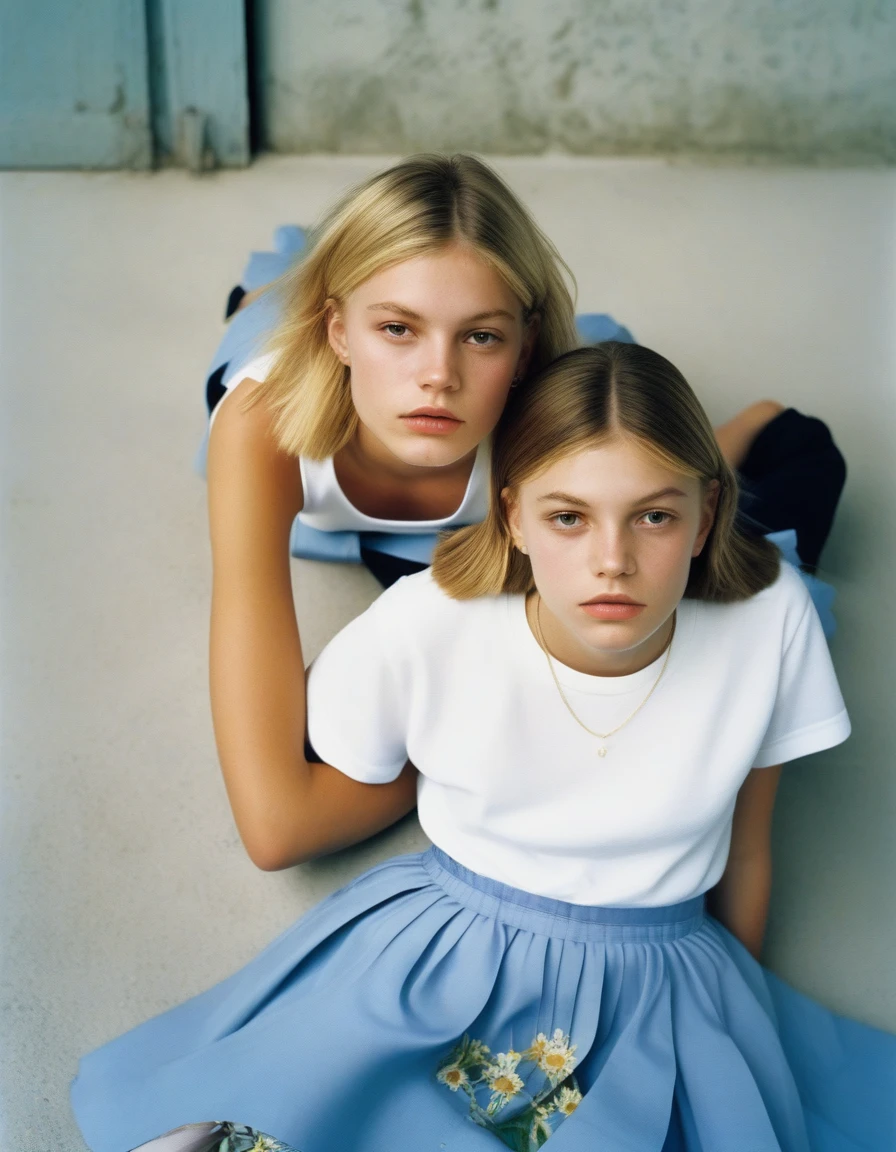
[521, 1097]
[239, 1138]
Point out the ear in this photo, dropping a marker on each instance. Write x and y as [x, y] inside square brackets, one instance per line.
[530, 336]
[511, 508]
[336, 332]
[707, 515]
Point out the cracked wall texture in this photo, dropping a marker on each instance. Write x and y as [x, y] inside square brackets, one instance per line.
[792, 80]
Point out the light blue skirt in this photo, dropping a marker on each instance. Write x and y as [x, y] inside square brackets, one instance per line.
[424, 1007]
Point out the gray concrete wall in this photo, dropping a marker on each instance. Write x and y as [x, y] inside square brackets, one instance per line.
[796, 80]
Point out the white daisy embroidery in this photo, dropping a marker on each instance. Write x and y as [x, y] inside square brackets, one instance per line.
[453, 1076]
[555, 1056]
[568, 1100]
[266, 1144]
[502, 1078]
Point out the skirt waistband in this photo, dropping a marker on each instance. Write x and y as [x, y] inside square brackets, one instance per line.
[546, 916]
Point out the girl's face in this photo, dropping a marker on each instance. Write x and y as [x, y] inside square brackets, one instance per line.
[433, 344]
[610, 534]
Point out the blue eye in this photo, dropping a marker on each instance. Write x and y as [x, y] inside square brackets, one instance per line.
[656, 518]
[566, 519]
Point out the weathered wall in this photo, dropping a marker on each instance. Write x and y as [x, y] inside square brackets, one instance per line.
[802, 80]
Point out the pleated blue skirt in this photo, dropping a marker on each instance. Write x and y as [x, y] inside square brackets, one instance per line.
[424, 1007]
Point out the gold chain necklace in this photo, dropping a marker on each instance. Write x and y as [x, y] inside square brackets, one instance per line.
[602, 750]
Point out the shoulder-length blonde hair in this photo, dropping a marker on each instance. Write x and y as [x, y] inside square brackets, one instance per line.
[418, 206]
[583, 398]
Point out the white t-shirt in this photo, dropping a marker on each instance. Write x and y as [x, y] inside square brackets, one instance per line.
[510, 785]
[328, 509]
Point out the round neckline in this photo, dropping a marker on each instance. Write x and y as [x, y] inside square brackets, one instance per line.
[480, 462]
[603, 685]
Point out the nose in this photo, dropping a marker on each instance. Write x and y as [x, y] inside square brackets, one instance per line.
[612, 554]
[438, 369]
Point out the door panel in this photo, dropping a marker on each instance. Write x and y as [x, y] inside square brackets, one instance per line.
[73, 85]
[123, 83]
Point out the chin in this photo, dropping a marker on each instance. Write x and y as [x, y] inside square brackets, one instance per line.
[430, 453]
[615, 644]
[614, 636]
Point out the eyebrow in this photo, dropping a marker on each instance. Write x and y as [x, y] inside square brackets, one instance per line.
[576, 502]
[661, 495]
[390, 306]
[563, 498]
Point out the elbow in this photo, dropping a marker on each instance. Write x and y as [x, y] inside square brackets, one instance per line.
[272, 850]
[273, 822]
[270, 847]
[271, 854]
[268, 859]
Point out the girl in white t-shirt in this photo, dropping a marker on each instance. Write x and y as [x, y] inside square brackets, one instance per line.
[596, 687]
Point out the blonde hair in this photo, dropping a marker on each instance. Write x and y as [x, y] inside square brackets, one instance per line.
[420, 205]
[583, 398]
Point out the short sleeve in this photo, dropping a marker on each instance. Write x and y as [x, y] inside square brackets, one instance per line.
[357, 711]
[809, 714]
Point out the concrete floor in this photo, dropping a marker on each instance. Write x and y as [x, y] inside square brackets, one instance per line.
[125, 887]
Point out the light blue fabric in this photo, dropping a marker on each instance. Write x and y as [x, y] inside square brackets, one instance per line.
[249, 327]
[822, 594]
[345, 1032]
[309, 543]
[596, 327]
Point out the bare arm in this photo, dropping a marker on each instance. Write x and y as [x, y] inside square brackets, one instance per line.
[740, 899]
[286, 809]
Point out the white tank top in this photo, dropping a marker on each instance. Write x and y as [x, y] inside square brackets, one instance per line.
[328, 509]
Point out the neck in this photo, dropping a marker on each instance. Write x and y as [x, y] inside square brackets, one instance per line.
[567, 649]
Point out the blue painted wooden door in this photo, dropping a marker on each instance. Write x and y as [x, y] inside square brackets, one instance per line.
[118, 83]
[73, 84]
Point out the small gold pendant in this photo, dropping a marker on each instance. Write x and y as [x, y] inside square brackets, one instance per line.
[602, 751]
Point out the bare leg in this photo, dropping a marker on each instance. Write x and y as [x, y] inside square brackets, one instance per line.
[737, 435]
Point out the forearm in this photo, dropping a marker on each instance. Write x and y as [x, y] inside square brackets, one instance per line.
[741, 899]
[258, 708]
[286, 809]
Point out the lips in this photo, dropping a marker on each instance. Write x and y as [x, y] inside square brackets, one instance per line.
[611, 599]
[435, 413]
[431, 421]
[613, 608]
